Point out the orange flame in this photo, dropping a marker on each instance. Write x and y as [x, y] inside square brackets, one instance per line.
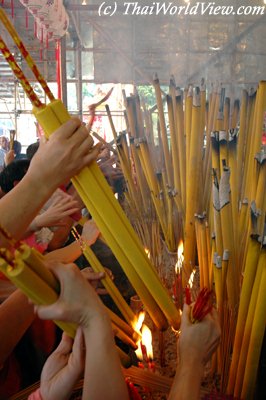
[137, 328]
[191, 278]
[147, 340]
[147, 251]
[180, 257]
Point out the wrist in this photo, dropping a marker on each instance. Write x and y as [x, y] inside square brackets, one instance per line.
[100, 320]
[191, 363]
[40, 183]
[34, 226]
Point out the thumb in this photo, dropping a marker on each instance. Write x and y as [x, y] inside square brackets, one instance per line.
[65, 346]
[42, 141]
[52, 311]
[185, 320]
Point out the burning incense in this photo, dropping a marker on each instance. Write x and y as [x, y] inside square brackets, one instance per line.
[99, 197]
[107, 281]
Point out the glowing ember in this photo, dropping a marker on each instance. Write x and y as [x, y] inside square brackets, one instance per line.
[191, 279]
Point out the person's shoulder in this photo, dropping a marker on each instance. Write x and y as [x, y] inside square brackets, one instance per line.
[2, 157]
[21, 157]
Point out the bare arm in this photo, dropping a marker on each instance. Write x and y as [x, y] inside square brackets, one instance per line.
[64, 155]
[71, 252]
[66, 254]
[79, 303]
[196, 344]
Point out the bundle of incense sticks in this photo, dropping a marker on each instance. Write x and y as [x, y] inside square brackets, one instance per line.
[26, 269]
[155, 382]
[107, 281]
[100, 201]
[217, 178]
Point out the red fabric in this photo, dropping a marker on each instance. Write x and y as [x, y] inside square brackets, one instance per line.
[43, 334]
[10, 378]
[31, 241]
[3, 277]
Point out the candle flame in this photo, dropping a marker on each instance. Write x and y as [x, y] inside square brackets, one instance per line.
[138, 352]
[147, 251]
[191, 279]
[140, 321]
[146, 337]
[147, 341]
[180, 250]
[137, 328]
[180, 257]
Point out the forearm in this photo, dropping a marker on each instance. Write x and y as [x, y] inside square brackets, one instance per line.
[187, 381]
[103, 373]
[16, 315]
[61, 234]
[66, 254]
[20, 206]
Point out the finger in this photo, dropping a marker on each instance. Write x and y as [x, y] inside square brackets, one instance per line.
[82, 137]
[42, 141]
[92, 155]
[185, 320]
[79, 345]
[65, 346]
[84, 145]
[64, 200]
[67, 129]
[93, 276]
[101, 292]
[68, 212]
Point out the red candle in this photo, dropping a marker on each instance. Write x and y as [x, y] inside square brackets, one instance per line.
[144, 352]
[188, 295]
[132, 390]
[151, 365]
[140, 365]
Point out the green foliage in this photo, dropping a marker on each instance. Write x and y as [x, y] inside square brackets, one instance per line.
[147, 94]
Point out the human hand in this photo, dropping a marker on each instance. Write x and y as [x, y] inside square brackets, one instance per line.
[111, 173]
[95, 279]
[9, 157]
[62, 207]
[199, 340]
[90, 232]
[104, 154]
[77, 302]
[63, 368]
[65, 154]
